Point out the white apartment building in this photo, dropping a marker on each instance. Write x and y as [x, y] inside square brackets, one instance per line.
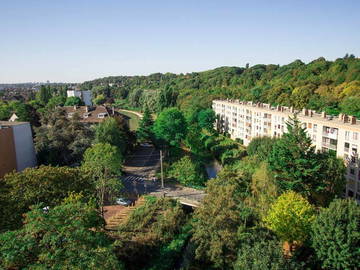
[247, 120]
[85, 96]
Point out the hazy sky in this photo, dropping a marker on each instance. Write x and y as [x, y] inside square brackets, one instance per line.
[77, 40]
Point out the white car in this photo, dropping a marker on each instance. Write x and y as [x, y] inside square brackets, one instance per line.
[124, 202]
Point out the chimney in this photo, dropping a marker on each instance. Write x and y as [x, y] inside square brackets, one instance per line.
[353, 120]
[341, 117]
[311, 113]
[75, 107]
[323, 114]
[305, 112]
[86, 109]
[112, 109]
[278, 108]
[292, 109]
[345, 118]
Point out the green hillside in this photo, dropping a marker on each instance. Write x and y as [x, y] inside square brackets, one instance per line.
[333, 86]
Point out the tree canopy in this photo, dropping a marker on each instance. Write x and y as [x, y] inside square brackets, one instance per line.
[102, 162]
[67, 236]
[46, 184]
[170, 126]
[336, 235]
[290, 217]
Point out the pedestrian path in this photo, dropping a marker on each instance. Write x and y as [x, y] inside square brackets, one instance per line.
[113, 222]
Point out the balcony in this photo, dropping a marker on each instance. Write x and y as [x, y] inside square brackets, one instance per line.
[330, 146]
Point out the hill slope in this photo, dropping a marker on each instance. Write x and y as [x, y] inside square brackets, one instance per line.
[321, 85]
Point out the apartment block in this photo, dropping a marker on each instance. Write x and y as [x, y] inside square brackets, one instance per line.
[85, 96]
[247, 120]
[16, 147]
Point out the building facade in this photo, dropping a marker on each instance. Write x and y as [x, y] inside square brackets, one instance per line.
[247, 120]
[16, 147]
[85, 96]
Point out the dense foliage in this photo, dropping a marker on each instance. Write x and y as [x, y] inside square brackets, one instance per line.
[188, 172]
[217, 221]
[113, 132]
[61, 140]
[170, 127]
[102, 163]
[319, 85]
[336, 235]
[67, 236]
[144, 133]
[298, 167]
[47, 185]
[150, 229]
[290, 217]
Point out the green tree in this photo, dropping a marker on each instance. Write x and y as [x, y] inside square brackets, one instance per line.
[206, 119]
[144, 132]
[109, 131]
[218, 219]
[102, 162]
[60, 140]
[167, 98]
[57, 101]
[68, 236]
[5, 111]
[332, 177]
[73, 101]
[261, 147]
[290, 217]
[336, 235]
[294, 161]
[170, 126]
[99, 100]
[263, 190]
[44, 94]
[351, 106]
[134, 98]
[188, 172]
[261, 250]
[46, 184]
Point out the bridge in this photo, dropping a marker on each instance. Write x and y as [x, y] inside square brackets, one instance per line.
[186, 196]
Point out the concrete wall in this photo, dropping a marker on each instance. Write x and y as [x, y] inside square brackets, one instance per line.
[7, 151]
[24, 147]
[86, 97]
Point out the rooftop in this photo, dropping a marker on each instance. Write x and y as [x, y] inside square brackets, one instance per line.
[10, 123]
[340, 121]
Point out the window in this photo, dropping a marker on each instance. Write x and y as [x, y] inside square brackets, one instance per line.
[355, 135]
[309, 125]
[350, 193]
[352, 171]
[347, 135]
[315, 127]
[346, 147]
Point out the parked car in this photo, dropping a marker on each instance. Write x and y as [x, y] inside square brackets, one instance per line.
[123, 201]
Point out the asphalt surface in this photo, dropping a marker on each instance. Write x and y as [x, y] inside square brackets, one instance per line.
[139, 178]
[139, 171]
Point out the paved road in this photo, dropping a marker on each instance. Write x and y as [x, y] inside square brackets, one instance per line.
[140, 168]
[139, 178]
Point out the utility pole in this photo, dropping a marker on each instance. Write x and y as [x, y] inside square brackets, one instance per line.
[161, 167]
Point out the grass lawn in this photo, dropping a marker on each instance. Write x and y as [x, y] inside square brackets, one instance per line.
[134, 119]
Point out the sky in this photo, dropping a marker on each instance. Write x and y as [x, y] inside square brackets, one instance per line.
[79, 40]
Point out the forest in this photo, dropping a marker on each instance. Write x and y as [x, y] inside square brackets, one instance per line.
[321, 85]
